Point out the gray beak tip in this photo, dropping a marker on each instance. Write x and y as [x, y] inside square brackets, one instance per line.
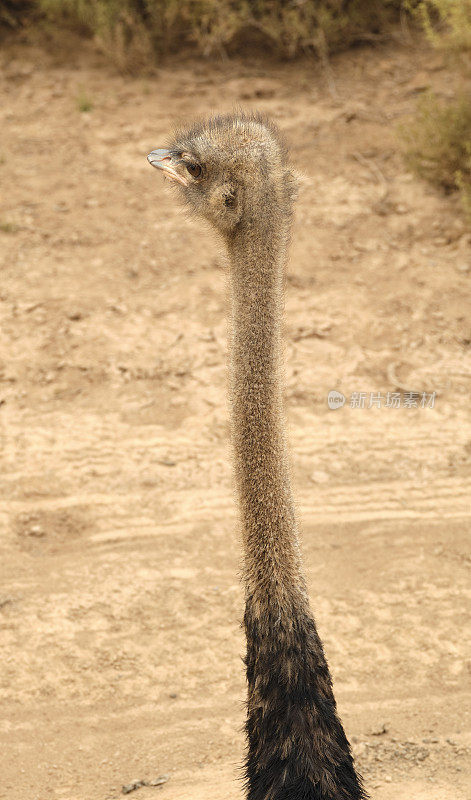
[156, 157]
[163, 160]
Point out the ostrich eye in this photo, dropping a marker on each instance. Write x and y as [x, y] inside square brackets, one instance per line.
[194, 170]
[229, 200]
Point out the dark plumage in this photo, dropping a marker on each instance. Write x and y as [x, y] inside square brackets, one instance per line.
[233, 171]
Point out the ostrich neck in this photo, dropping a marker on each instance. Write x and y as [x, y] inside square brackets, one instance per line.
[272, 562]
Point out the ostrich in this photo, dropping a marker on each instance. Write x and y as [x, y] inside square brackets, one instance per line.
[232, 170]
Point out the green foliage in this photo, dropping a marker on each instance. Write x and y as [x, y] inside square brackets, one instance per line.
[8, 227]
[447, 23]
[133, 32]
[84, 102]
[437, 144]
[437, 141]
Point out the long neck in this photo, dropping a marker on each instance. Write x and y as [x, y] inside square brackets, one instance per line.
[272, 561]
[297, 748]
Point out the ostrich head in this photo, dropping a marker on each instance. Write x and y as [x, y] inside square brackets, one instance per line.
[231, 169]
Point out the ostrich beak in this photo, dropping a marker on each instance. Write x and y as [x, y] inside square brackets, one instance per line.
[164, 160]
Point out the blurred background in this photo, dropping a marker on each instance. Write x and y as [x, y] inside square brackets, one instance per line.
[120, 601]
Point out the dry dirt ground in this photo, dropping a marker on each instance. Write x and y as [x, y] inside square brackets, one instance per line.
[120, 601]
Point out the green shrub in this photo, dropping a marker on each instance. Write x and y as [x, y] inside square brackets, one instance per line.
[133, 32]
[447, 23]
[437, 141]
[437, 145]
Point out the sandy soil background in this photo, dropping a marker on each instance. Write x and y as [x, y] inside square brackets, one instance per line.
[120, 603]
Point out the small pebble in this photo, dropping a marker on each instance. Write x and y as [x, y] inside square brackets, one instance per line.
[158, 781]
[131, 787]
[136, 784]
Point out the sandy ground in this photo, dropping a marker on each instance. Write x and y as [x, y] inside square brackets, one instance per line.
[120, 603]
